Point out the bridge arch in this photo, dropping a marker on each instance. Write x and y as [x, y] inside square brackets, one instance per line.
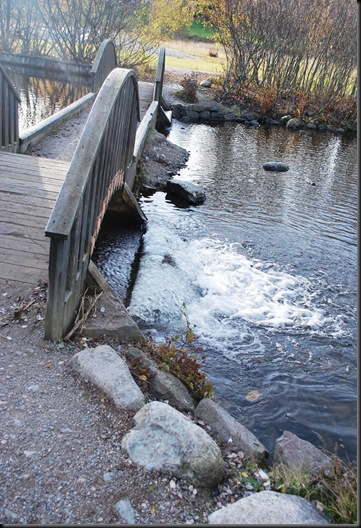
[98, 170]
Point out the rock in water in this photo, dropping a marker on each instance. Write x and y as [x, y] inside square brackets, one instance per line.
[187, 191]
[276, 166]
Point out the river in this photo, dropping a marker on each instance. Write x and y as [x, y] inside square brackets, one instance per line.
[43, 96]
[267, 271]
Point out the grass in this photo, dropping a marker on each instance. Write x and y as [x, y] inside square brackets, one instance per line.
[200, 31]
[335, 493]
[195, 65]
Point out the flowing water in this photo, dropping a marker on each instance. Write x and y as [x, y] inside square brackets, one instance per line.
[266, 268]
[42, 96]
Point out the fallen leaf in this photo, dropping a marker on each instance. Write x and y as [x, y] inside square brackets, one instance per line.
[253, 395]
[152, 510]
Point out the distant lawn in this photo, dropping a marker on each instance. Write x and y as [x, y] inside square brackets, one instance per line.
[214, 66]
[200, 31]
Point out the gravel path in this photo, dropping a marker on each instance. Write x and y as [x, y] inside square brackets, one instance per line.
[61, 460]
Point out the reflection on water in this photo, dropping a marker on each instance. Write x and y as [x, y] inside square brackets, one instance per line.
[42, 96]
[267, 270]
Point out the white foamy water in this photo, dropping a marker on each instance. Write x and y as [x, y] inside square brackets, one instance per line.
[226, 293]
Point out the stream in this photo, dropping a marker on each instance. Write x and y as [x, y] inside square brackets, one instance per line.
[267, 271]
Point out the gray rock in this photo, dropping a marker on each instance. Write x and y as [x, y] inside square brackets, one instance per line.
[192, 115]
[250, 116]
[295, 122]
[103, 367]
[112, 319]
[167, 387]
[271, 121]
[340, 130]
[162, 385]
[312, 126]
[195, 108]
[285, 119]
[228, 430]
[205, 114]
[206, 84]
[125, 511]
[268, 507]
[276, 166]
[218, 115]
[166, 441]
[294, 452]
[187, 191]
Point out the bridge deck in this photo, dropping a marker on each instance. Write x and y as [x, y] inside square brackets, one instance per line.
[29, 187]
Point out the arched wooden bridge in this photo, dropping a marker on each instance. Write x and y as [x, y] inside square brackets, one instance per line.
[68, 202]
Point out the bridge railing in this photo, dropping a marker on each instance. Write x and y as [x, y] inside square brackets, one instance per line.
[104, 152]
[105, 61]
[163, 113]
[9, 121]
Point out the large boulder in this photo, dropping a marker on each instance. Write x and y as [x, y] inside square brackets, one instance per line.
[268, 507]
[229, 431]
[295, 453]
[165, 440]
[108, 371]
[186, 191]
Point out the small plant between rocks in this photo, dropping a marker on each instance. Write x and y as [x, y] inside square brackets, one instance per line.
[180, 356]
[189, 89]
[334, 492]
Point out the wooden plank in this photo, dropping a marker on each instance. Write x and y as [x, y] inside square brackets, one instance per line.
[18, 273]
[23, 218]
[28, 245]
[28, 260]
[22, 232]
[25, 200]
[25, 186]
[14, 206]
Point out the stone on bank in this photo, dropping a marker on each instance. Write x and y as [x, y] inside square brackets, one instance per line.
[165, 440]
[268, 507]
[228, 430]
[108, 371]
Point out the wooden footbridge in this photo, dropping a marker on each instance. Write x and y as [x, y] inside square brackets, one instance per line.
[67, 201]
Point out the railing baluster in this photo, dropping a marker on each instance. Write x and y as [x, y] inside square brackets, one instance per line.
[9, 101]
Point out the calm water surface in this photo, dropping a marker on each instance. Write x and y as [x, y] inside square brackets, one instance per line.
[267, 270]
[42, 97]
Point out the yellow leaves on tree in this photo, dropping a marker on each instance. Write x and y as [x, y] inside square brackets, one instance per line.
[166, 18]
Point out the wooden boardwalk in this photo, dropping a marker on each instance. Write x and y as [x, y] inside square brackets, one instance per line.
[29, 187]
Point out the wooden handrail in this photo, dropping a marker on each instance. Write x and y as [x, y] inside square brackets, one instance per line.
[104, 152]
[158, 86]
[9, 121]
[105, 61]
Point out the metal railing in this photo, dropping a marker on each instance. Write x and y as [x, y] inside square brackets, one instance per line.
[9, 121]
[96, 172]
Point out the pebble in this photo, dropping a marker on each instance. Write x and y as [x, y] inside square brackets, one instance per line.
[33, 388]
